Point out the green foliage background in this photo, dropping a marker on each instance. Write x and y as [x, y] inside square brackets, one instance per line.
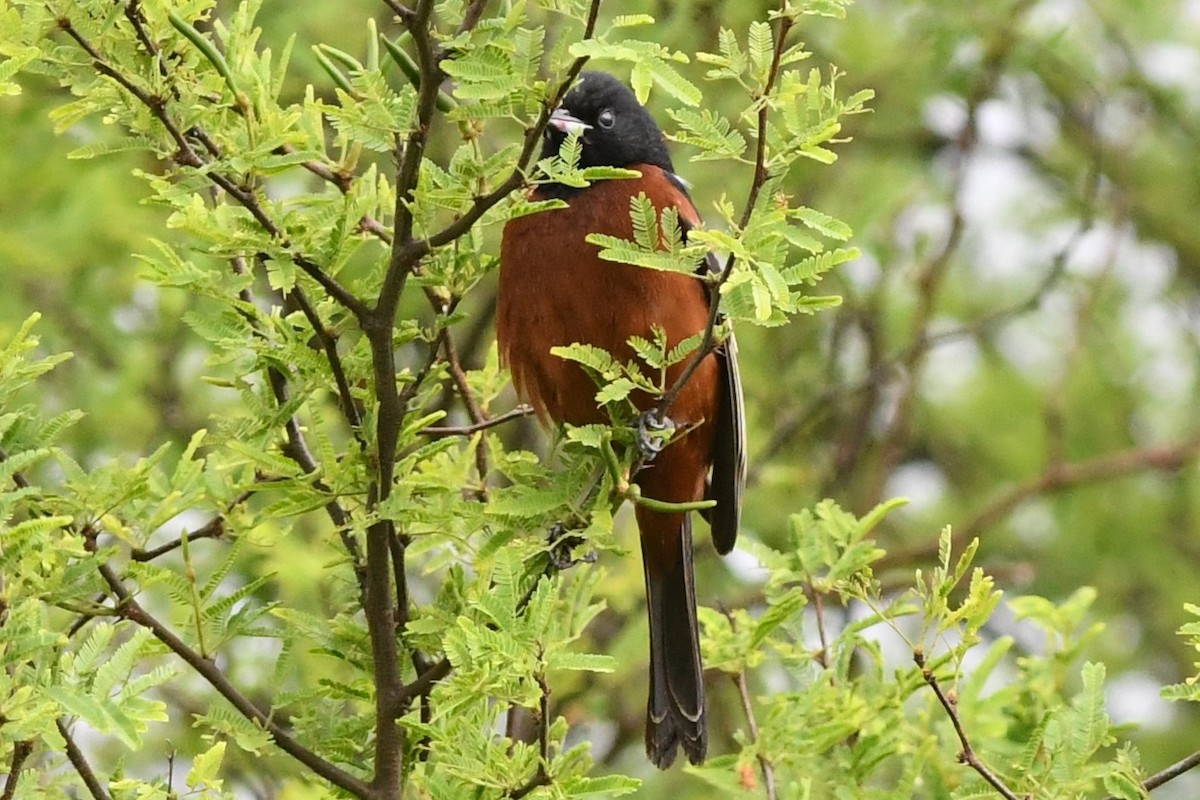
[1016, 350]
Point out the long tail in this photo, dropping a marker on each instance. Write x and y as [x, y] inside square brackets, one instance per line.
[675, 710]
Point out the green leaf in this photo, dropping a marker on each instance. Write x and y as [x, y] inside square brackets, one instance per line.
[205, 768]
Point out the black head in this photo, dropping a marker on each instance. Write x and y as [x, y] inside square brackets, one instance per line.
[616, 130]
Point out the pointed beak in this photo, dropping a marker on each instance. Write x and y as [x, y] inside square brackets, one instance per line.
[561, 120]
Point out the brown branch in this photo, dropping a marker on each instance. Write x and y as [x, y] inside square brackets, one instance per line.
[819, 612]
[708, 341]
[472, 16]
[1058, 478]
[423, 683]
[1170, 773]
[438, 432]
[402, 11]
[400, 264]
[739, 680]
[295, 445]
[208, 670]
[459, 376]
[21, 751]
[764, 763]
[516, 179]
[80, 763]
[967, 755]
[350, 408]
[213, 529]
[187, 155]
[541, 777]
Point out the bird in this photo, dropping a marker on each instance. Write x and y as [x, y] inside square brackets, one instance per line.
[555, 290]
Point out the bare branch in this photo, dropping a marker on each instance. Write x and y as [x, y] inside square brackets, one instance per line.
[21, 751]
[438, 432]
[208, 670]
[459, 376]
[213, 529]
[188, 156]
[80, 763]
[1058, 478]
[708, 342]
[967, 756]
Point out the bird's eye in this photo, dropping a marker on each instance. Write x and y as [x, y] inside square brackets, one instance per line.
[607, 118]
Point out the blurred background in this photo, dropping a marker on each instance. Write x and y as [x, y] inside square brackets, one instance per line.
[1017, 350]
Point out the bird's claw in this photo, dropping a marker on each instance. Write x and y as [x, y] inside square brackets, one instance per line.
[653, 432]
[561, 543]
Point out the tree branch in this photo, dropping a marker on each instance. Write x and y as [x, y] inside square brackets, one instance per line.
[400, 264]
[459, 376]
[708, 341]
[208, 670]
[80, 763]
[1170, 773]
[21, 751]
[438, 432]
[213, 529]
[968, 755]
[1055, 479]
[188, 156]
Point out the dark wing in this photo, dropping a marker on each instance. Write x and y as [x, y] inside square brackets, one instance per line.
[728, 477]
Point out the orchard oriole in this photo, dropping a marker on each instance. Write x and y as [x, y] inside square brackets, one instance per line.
[555, 290]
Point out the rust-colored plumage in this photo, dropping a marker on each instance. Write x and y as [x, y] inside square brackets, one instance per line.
[555, 290]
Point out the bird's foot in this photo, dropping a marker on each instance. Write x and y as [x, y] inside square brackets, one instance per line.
[654, 430]
[561, 543]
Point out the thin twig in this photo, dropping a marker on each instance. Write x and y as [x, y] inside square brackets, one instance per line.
[415, 250]
[474, 411]
[739, 680]
[80, 763]
[187, 155]
[472, 16]
[1055, 479]
[350, 407]
[819, 612]
[402, 11]
[439, 432]
[764, 763]
[208, 670]
[968, 755]
[213, 529]
[708, 341]
[410, 156]
[21, 751]
[1170, 773]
